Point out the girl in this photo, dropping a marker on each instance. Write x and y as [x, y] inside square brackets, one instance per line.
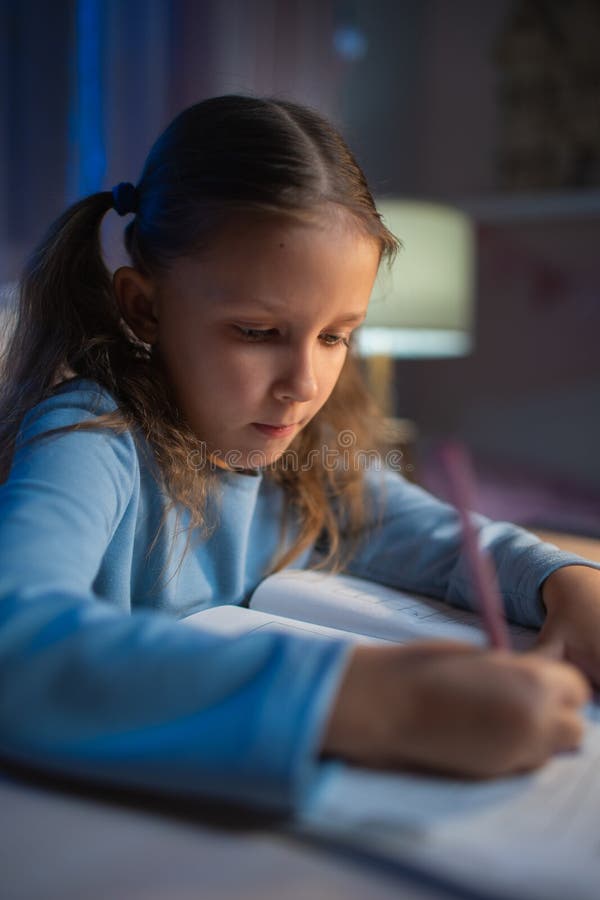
[161, 438]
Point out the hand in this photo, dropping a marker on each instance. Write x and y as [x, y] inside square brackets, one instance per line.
[455, 708]
[571, 631]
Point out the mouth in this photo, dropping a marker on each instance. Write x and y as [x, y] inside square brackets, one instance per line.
[276, 430]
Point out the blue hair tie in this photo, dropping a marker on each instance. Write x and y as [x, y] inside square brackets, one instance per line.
[125, 198]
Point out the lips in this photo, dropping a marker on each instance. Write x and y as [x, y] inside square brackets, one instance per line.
[277, 424]
[275, 430]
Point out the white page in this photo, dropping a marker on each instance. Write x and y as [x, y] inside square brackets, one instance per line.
[531, 836]
[357, 605]
[234, 620]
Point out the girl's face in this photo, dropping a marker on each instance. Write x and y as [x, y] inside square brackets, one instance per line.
[253, 332]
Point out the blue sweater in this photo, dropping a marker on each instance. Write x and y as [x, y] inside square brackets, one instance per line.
[98, 679]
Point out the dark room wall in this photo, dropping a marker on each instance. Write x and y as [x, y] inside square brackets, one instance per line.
[529, 391]
[416, 96]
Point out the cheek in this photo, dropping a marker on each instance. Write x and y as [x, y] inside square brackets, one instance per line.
[232, 382]
[205, 360]
[246, 372]
[329, 375]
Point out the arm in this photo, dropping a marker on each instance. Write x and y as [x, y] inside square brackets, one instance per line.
[439, 705]
[139, 700]
[418, 547]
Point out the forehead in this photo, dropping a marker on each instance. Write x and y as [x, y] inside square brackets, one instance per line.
[274, 259]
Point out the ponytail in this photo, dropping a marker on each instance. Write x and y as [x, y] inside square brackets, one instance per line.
[65, 308]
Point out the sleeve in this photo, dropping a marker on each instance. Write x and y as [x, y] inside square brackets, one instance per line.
[413, 542]
[137, 700]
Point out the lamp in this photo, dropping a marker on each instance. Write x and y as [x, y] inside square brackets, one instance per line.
[422, 306]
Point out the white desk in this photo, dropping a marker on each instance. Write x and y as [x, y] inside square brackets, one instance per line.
[60, 845]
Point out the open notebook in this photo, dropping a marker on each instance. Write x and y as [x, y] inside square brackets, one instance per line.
[530, 836]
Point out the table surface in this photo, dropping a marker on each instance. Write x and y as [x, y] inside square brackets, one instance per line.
[59, 844]
[586, 547]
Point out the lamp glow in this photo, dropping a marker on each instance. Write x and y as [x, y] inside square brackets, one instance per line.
[423, 305]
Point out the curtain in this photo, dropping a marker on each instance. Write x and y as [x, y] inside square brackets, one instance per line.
[87, 85]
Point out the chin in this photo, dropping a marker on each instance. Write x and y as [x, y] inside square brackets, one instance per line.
[260, 459]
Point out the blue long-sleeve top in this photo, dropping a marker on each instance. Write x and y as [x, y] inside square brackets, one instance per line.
[98, 679]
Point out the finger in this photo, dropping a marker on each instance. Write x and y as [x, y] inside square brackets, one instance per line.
[571, 686]
[568, 684]
[564, 733]
[587, 661]
[569, 730]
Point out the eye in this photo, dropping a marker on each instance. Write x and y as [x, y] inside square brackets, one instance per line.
[255, 334]
[332, 340]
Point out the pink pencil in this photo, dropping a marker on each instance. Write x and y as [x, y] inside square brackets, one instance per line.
[458, 470]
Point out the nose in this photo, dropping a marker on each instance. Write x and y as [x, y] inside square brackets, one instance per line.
[297, 379]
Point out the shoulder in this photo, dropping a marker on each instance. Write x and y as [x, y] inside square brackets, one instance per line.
[382, 483]
[55, 419]
[389, 498]
[73, 401]
[52, 454]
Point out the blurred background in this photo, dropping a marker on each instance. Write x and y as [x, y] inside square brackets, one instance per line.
[491, 108]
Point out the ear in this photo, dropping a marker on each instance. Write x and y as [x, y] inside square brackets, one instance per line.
[136, 298]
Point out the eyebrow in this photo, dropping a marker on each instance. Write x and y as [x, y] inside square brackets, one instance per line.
[351, 318]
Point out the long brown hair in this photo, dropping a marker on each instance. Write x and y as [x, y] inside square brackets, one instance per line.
[216, 158]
